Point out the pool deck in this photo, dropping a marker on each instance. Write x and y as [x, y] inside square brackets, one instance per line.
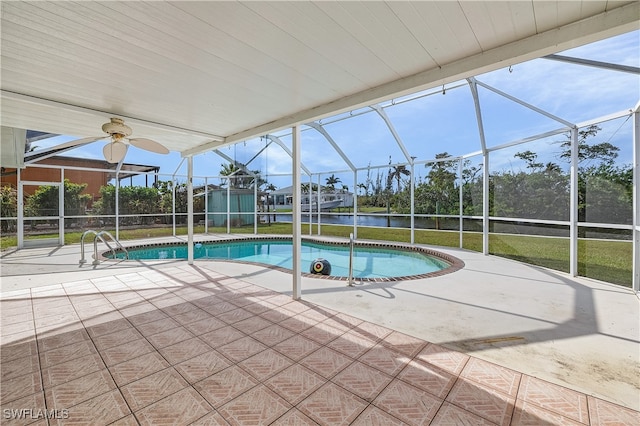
[497, 342]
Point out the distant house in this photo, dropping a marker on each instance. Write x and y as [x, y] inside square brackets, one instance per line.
[329, 198]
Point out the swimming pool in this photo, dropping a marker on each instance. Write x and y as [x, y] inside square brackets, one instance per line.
[371, 261]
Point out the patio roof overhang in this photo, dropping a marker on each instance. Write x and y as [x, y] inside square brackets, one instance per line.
[199, 75]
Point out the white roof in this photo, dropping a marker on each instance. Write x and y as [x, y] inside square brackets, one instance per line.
[195, 75]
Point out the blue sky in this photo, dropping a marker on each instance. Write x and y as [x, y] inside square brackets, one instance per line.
[439, 123]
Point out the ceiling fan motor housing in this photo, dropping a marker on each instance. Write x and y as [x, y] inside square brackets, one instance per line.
[117, 127]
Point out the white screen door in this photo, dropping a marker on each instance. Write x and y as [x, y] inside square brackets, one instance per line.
[40, 214]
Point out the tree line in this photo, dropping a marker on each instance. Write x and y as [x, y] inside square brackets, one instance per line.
[539, 191]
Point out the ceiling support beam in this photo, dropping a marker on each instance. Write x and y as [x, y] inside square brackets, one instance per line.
[392, 129]
[38, 156]
[238, 164]
[473, 85]
[595, 64]
[288, 151]
[259, 152]
[327, 136]
[525, 104]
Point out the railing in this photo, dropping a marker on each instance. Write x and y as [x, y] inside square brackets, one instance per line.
[351, 243]
[99, 236]
[84, 234]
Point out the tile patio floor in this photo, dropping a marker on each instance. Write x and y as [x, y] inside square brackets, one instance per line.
[185, 345]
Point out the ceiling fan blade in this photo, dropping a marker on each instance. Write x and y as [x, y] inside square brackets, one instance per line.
[79, 142]
[115, 151]
[149, 145]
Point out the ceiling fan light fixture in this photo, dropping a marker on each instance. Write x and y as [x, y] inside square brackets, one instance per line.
[117, 137]
[115, 151]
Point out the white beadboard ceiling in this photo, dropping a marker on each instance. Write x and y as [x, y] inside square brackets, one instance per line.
[194, 75]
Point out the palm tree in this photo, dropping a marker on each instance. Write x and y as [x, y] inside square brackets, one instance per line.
[397, 172]
[332, 181]
[229, 170]
[239, 176]
[363, 187]
[304, 187]
[270, 188]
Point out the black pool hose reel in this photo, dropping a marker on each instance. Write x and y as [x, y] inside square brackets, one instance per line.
[320, 266]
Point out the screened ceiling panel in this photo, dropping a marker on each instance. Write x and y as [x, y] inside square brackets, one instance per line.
[447, 123]
[553, 87]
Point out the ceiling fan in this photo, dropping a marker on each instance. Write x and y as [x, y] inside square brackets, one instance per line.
[117, 148]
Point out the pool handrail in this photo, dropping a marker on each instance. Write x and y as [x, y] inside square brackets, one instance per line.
[95, 246]
[99, 236]
[84, 234]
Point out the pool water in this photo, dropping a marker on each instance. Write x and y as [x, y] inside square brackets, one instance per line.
[368, 262]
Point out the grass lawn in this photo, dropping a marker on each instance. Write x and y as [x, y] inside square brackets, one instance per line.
[609, 261]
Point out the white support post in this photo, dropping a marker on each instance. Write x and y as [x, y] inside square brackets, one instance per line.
[117, 204]
[206, 205]
[319, 198]
[636, 201]
[173, 203]
[296, 216]
[485, 203]
[310, 209]
[573, 205]
[255, 205]
[229, 205]
[461, 225]
[473, 85]
[173, 195]
[61, 208]
[190, 210]
[355, 204]
[412, 190]
[20, 210]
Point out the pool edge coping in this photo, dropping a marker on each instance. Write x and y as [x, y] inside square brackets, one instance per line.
[455, 264]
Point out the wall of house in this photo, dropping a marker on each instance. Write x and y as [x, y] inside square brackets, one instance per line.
[94, 180]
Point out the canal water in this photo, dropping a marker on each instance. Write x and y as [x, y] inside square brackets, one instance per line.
[453, 223]
[371, 220]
